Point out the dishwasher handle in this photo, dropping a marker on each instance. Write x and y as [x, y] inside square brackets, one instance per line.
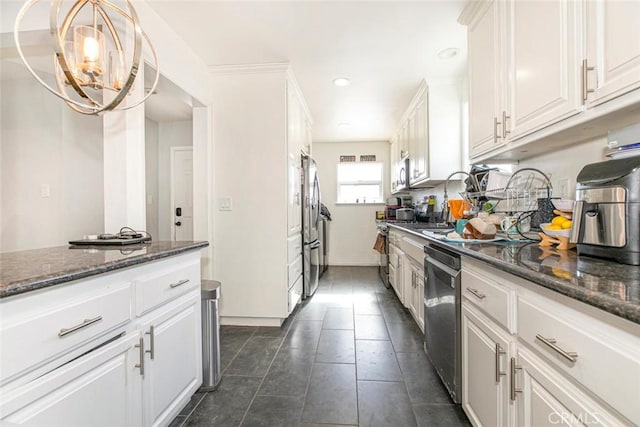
[442, 267]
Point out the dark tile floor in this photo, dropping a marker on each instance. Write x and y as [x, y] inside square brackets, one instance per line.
[350, 355]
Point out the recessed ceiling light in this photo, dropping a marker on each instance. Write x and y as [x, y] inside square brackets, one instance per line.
[341, 81]
[448, 53]
[344, 125]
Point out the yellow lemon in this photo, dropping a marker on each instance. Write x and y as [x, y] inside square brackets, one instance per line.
[558, 220]
[554, 227]
[566, 225]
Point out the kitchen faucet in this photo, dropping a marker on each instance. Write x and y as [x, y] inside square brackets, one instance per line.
[445, 203]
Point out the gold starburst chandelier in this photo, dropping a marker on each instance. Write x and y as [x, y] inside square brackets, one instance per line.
[95, 66]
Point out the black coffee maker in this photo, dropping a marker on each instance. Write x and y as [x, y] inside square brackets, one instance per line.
[606, 218]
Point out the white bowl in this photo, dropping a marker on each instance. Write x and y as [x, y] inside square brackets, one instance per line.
[555, 233]
[563, 205]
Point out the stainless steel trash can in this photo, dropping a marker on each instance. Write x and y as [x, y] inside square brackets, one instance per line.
[210, 293]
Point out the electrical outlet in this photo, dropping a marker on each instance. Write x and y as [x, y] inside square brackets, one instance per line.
[562, 188]
[224, 204]
[45, 190]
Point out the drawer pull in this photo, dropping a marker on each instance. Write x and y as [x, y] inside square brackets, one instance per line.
[513, 368]
[179, 283]
[141, 364]
[476, 293]
[77, 327]
[152, 346]
[499, 373]
[551, 343]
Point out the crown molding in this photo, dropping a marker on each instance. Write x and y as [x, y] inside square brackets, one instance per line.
[471, 10]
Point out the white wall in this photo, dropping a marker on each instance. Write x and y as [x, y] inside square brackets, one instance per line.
[565, 164]
[172, 134]
[251, 170]
[353, 227]
[45, 144]
[151, 170]
[184, 68]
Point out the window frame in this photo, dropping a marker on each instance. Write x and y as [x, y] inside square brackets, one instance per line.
[340, 200]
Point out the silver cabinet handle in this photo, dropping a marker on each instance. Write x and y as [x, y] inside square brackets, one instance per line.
[585, 82]
[505, 132]
[84, 324]
[179, 283]
[141, 364]
[551, 343]
[513, 368]
[476, 293]
[495, 130]
[499, 373]
[152, 339]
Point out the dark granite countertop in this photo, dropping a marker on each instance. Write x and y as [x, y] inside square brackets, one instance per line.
[607, 285]
[29, 270]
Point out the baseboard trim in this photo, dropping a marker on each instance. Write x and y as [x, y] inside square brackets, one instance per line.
[251, 321]
[339, 264]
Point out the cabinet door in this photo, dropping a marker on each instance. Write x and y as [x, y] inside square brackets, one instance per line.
[543, 53]
[547, 399]
[171, 376]
[394, 152]
[294, 207]
[613, 48]
[419, 154]
[101, 388]
[484, 80]
[399, 276]
[420, 297]
[485, 359]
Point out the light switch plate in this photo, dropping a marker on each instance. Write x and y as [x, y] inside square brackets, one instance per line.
[224, 204]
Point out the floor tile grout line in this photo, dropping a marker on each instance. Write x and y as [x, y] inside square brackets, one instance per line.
[246, 411]
[395, 354]
[194, 408]
[313, 366]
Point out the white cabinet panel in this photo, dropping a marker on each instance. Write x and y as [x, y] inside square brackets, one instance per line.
[613, 48]
[543, 63]
[485, 388]
[485, 80]
[102, 388]
[548, 400]
[171, 376]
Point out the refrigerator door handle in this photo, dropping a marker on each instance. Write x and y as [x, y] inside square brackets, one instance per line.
[314, 245]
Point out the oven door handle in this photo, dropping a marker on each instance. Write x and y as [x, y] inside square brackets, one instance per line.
[440, 266]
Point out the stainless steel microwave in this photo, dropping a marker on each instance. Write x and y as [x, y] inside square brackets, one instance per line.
[402, 175]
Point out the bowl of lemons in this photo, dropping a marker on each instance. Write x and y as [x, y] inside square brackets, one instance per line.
[559, 226]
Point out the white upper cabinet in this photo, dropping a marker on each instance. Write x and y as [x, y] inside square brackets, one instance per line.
[613, 49]
[539, 69]
[543, 64]
[485, 79]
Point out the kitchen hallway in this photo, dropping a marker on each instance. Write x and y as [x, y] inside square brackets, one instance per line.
[351, 355]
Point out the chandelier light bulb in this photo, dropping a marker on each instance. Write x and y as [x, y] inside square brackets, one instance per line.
[91, 49]
[88, 79]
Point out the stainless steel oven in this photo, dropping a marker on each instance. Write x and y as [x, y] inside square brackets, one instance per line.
[442, 316]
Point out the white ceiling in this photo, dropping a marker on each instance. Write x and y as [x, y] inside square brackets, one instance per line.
[384, 47]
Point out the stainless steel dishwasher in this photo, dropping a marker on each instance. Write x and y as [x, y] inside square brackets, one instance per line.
[442, 316]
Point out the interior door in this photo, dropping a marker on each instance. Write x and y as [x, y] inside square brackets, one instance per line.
[182, 193]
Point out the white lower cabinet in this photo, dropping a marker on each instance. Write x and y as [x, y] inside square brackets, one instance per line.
[414, 291]
[564, 364]
[99, 389]
[396, 271]
[170, 377]
[545, 398]
[123, 371]
[487, 349]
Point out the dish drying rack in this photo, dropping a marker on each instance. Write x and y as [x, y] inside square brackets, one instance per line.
[519, 196]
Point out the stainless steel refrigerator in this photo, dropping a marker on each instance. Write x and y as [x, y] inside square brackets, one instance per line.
[310, 222]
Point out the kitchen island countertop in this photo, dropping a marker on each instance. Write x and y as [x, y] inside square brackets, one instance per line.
[607, 285]
[29, 270]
